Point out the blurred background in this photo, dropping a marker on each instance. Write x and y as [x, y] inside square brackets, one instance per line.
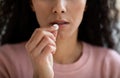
[116, 32]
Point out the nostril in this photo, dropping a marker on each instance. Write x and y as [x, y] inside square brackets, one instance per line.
[55, 11]
[62, 12]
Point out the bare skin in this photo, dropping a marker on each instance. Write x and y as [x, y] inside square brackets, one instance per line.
[41, 46]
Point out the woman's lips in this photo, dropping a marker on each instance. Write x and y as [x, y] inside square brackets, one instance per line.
[61, 23]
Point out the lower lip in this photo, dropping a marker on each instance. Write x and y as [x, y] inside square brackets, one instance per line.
[61, 26]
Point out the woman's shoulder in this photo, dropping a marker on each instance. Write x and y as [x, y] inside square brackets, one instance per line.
[12, 47]
[13, 51]
[101, 50]
[111, 63]
[109, 55]
[13, 59]
[109, 59]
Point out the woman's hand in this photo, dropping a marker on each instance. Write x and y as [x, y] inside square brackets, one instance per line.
[40, 48]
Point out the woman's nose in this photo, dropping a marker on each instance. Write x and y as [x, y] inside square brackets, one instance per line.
[59, 7]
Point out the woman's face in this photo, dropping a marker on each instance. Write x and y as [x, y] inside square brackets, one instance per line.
[66, 13]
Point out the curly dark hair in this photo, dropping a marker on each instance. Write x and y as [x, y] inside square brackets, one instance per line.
[99, 25]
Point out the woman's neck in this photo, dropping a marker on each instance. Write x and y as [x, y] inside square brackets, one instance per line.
[68, 51]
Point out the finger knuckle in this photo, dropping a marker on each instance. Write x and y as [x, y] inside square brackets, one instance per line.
[51, 48]
[46, 38]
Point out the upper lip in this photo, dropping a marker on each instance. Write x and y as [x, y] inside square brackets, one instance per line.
[59, 22]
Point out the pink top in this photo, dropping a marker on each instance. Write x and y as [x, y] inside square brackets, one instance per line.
[95, 62]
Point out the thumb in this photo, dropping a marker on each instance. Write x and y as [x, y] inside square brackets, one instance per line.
[55, 32]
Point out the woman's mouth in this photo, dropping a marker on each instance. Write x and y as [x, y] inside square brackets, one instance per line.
[60, 23]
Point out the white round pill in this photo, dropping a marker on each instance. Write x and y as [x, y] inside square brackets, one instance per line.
[56, 26]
